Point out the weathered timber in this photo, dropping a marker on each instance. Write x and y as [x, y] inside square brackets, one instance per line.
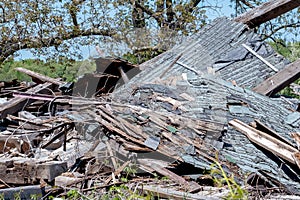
[24, 192]
[111, 154]
[39, 78]
[173, 194]
[266, 141]
[280, 80]
[68, 178]
[117, 72]
[58, 136]
[267, 11]
[165, 172]
[16, 104]
[29, 171]
[262, 127]
[260, 57]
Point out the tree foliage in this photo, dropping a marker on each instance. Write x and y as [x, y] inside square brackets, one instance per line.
[59, 27]
[66, 69]
[66, 24]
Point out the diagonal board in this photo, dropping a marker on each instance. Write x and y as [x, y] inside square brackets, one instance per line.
[16, 104]
[267, 11]
[280, 80]
[266, 141]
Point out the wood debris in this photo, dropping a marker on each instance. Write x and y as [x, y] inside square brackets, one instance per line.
[176, 137]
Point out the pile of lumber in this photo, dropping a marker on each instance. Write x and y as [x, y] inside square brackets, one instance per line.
[200, 121]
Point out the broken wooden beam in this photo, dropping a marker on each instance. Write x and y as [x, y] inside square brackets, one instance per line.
[170, 193]
[266, 141]
[280, 80]
[16, 104]
[117, 172]
[29, 170]
[39, 78]
[8, 143]
[260, 57]
[266, 12]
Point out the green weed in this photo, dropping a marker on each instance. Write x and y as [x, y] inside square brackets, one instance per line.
[235, 190]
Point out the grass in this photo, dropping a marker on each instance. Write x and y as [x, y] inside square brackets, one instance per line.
[221, 179]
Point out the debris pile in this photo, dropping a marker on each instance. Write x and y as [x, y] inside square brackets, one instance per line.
[189, 120]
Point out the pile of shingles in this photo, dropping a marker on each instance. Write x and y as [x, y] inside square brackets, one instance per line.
[199, 106]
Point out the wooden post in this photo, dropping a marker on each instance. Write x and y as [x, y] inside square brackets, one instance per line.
[279, 80]
[267, 11]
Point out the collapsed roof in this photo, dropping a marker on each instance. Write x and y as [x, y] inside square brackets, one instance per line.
[217, 72]
[194, 105]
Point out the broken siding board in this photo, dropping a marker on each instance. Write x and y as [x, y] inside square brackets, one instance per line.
[16, 104]
[267, 11]
[39, 78]
[262, 127]
[280, 80]
[274, 145]
[168, 193]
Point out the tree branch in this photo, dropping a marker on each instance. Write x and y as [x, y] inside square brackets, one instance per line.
[293, 25]
[73, 9]
[193, 4]
[247, 3]
[157, 16]
[13, 45]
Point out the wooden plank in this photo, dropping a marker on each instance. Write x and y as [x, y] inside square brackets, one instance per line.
[260, 57]
[170, 193]
[29, 170]
[266, 141]
[111, 155]
[150, 164]
[171, 175]
[16, 104]
[280, 80]
[266, 12]
[262, 127]
[39, 78]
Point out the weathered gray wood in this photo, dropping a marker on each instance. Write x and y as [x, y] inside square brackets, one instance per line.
[267, 11]
[29, 171]
[260, 57]
[16, 104]
[173, 194]
[24, 192]
[280, 80]
[266, 141]
[39, 78]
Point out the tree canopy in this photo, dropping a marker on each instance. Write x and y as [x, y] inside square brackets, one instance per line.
[55, 27]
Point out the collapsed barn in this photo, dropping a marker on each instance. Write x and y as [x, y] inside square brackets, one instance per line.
[205, 103]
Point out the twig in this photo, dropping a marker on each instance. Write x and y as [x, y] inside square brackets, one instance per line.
[111, 155]
[2, 181]
[117, 172]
